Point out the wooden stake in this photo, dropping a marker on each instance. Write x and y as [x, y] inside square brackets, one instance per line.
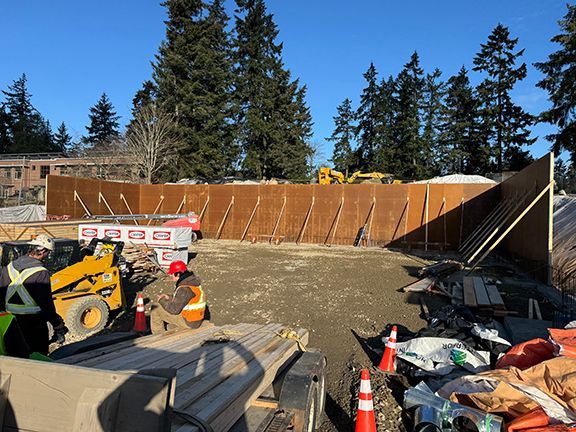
[373, 210]
[101, 198]
[461, 221]
[157, 208]
[77, 197]
[128, 207]
[513, 224]
[305, 222]
[201, 217]
[444, 218]
[250, 220]
[426, 213]
[334, 225]
[224, 218]
[181, 204]
[278, 220]
[406, 221]
[400, 219]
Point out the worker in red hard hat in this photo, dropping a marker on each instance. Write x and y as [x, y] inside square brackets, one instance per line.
[187, 306]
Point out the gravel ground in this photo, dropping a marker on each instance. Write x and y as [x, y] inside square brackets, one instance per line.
[340, 294]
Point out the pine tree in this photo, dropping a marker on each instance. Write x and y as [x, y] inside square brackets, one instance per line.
[193, 80]
[104, 125]
[560, 83]
[385, 120]
[28, 131]
[461, 146]
[343, 135]
[504, 124]
[367, 121]
[433, 103]
[62, 139]
[5, 126]
[410, 160]
[275, 122]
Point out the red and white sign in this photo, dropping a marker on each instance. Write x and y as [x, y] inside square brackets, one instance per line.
[136, 234]
[161, 235]
[167, 256]
[114, 234]
[89, 232]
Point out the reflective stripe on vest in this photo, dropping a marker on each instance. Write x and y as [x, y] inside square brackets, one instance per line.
[16, 286]
[6, 319]
[194, 310]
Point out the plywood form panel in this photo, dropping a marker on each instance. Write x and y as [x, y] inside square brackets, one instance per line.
[298, 200]
[196, 196]
[131, 194]
[88, 190]
[479, 201]
[150, 196]
[220, 197]
[390, 215]
[60, 195]
[111, 194]
[245, 198]
[327, 199]
[271, 200]
[173, 195]
[416, 214]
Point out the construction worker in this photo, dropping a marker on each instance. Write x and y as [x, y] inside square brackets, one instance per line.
[25, 283]
[187, 306]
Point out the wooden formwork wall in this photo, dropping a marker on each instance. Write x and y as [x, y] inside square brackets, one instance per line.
[440, 215]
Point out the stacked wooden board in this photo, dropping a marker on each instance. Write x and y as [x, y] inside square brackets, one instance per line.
[220, 370]
[28, 230]
[483, 296]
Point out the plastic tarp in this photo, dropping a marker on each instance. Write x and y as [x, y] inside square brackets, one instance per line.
[24, 213]
[458, 178]
[564, 247]
[513, 392]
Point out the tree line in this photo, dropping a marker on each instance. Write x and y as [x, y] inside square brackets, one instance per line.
[221, 96]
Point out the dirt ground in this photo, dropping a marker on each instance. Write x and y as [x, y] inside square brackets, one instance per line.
[340, 294]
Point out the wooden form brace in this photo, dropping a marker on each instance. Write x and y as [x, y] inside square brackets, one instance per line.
[277, 224]
[250, 220]
[334, 225]
[123, 198]
[306, 219]
[181, 205]
[77, 197]
[156, 209]
[426, 216]
[203, 212]
[513, 224]
[473, 236]
[221, 227]
[102, 199]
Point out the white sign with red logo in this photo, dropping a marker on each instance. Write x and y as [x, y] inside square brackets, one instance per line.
[136, 234]
[171, 237]
[88, 233]
[113, 233]
[166, 256]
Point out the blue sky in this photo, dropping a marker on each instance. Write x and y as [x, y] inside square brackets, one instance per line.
[72, 50]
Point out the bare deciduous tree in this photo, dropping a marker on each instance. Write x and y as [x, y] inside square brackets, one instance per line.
[151, 140]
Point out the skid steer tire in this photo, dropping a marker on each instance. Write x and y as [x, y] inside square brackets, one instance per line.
[86, 316]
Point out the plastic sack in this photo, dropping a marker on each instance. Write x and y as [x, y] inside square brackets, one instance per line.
[565, 340]
[527, 354]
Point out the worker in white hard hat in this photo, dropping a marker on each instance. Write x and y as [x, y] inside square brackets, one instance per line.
[25, 286]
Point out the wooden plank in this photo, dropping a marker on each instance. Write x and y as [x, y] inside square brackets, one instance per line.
[480, 290]
[494, 295]
[469, 294]
[537, 309]
[96, 411]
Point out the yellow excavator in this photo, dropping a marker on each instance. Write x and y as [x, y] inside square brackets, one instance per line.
[86, 283]
[330, 176]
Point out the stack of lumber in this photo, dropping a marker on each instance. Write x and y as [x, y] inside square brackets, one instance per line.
[220, 370]
[484, 297]
[28, 230]
[139, 258]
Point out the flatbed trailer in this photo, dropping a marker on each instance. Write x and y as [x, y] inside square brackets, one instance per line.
[240, 378]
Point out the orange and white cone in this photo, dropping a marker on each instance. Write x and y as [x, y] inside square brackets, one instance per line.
[365, 420]
[387, 364]
[140, 319]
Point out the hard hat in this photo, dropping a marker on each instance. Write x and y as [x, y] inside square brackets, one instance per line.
[43, 241]
[177, 267]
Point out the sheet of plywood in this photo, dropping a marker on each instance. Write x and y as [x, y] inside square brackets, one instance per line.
[482, 298]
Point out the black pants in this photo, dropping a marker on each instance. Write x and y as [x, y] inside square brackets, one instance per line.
[35, 331]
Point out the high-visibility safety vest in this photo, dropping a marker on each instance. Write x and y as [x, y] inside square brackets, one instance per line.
[6, 319]
[16, 286]
[196, 307]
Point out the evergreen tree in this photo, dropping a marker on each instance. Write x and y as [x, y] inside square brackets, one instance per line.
[367, 121]
[104, 124]
[410, 160]
[193, 80]
[275, 122]
[461, 146]
[560, 83]
[385, 120]
[342, 137]
[5, 126]
[26, 130]
[433, 98]
[504, 124]
[62, 139]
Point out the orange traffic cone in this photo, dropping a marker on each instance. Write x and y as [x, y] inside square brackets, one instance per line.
[365, 420]
[532, 419]
[140, 319]
[387, 364]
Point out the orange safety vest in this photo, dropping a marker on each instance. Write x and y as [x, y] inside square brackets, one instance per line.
[196, 307]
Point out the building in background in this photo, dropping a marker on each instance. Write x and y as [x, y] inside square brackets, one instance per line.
[26, 173]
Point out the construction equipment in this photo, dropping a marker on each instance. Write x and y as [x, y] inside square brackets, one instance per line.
[86, 284]
[330, 176]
